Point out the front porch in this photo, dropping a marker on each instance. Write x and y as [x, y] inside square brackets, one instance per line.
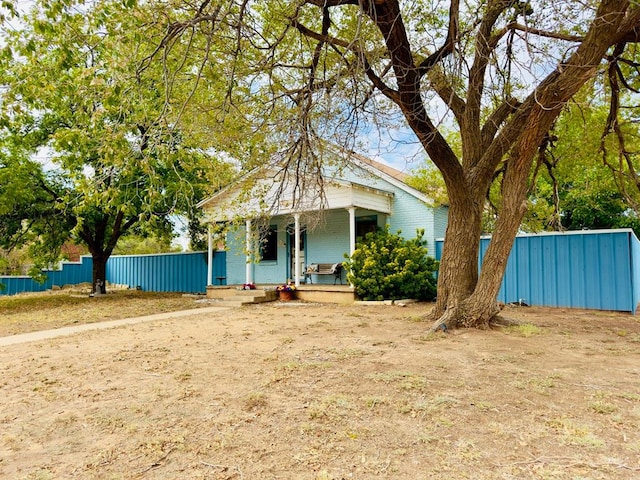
[342, 294]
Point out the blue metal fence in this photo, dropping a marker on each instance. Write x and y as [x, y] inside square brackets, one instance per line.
[70, 273]
[586, 269]
[583, 269]
[172, 272]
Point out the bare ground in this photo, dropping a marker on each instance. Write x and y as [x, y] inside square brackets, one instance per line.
[308, 391]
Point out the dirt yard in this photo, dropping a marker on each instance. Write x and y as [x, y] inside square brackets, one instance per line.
[308, 391]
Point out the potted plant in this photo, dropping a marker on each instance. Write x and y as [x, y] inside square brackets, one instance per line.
[285, 292]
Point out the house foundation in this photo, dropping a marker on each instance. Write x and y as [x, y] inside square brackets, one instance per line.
[341, 294]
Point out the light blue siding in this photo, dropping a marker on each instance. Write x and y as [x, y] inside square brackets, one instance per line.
[588, 269]
[264, 272]
[274, 272]
[330, 242]
[441, 215]
[410, 214]
[236, 257]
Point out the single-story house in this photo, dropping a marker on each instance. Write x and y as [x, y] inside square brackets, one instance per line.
[275, 224]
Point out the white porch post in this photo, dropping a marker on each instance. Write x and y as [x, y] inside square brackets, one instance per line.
[209, 256]
[249, 246]
[352, 230]
[296, 261]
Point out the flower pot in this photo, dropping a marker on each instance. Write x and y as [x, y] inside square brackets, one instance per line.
[285, 295]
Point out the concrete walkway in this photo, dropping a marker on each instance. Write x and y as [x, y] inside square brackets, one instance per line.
[85, 327]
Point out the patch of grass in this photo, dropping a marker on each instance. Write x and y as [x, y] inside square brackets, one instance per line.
[255, 401]
[574, 433]
[287, 370]
[425, 406]
[346, 353]
[635, 338]
[537, 384]
[483, 406]
[32, 303]
[374, 402]
[633, 397]
[331, 407]
[40, 474]
[602, 407]
[405, 380]
[183, 376]
[524, 330]
[431, 337]
[28, 313]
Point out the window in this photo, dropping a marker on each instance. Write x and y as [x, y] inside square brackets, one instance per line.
[269, 244]
[365, 225]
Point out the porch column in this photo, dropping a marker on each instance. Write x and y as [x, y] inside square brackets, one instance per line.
[209, 256]
[352, 230]
[248, 277]
[296, 256]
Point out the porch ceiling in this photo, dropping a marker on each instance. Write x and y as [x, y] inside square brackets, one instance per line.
[269, 200]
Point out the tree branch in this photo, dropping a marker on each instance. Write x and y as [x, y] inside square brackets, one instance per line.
[447, 48]
[350, 46]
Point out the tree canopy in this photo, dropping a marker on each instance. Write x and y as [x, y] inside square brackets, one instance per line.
[93, 147]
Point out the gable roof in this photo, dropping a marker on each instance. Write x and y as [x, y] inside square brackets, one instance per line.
[395, 177]
[384, 172]
[381, 167]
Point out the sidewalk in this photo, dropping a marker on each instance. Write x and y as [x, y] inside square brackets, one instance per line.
[65, 331]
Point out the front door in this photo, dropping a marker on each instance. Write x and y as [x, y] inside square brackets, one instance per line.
[292, 254]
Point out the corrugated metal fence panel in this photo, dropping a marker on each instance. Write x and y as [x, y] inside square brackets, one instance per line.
[15, 284]
[586, 269]
[173, 272]
[70, 273]
[634, 246]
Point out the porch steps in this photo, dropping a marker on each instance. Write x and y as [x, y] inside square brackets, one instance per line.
[249, 297]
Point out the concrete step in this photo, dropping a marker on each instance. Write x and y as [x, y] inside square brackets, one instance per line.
[249, 297]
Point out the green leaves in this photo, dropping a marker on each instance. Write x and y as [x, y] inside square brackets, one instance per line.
[118, 158]
[386, 266]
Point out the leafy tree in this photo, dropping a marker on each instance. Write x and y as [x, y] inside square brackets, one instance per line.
[135, 245]
[117, 158]
[574, 187]
[499, 71]
[429, 181]
[386, 266]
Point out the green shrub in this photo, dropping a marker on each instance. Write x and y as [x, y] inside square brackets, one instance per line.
[386, 266]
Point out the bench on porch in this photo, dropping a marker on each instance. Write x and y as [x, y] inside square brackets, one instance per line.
[334, 269]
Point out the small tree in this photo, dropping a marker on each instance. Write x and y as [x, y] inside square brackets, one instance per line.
[386, 266]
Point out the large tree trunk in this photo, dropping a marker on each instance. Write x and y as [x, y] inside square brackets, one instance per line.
[524, 132]
[458, 273]
[99, 273]
[101, 243]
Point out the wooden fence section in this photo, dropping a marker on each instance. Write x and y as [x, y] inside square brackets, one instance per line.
[591, 269]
